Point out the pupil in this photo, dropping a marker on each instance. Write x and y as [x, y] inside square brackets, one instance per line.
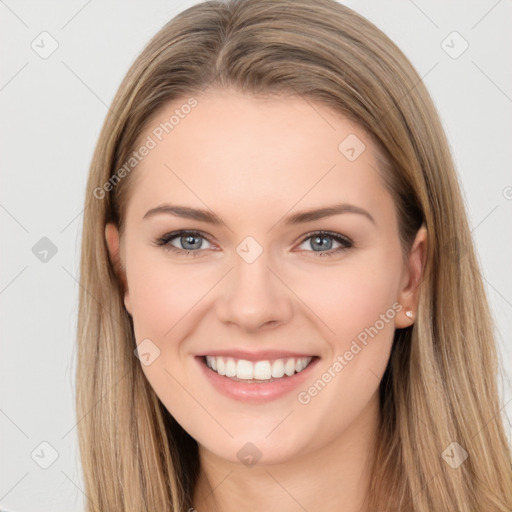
[189, 239]
[319, 239]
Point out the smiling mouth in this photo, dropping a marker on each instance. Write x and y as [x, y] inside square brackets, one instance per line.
[264, 371]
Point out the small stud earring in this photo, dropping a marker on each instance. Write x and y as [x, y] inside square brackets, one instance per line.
[409, 313]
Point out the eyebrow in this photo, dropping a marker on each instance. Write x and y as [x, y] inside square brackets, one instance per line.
[296, 218]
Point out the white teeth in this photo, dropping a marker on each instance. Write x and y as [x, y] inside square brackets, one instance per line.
[230, 368]
[277, 368]
[260, 370]
[244, 369]
[289, 367]
[221, 366]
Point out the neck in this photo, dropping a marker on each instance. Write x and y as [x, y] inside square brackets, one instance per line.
[333, 478]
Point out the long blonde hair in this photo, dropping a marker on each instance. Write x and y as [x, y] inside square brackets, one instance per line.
[440, 386]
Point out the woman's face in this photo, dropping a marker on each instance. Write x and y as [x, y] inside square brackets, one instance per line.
[253, 285]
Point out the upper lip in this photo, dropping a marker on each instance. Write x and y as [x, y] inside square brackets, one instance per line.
[261, 355]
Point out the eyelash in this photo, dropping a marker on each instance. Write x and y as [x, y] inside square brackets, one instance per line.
[164, 242]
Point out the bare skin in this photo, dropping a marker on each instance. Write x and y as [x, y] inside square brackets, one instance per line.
[253, 162]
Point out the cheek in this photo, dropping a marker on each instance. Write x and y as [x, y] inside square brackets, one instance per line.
[162, 299]
[358, 305]
[359, 308]
[160, 293]
[352, 296]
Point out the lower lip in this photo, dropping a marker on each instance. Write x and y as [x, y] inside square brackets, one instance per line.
[256, 392]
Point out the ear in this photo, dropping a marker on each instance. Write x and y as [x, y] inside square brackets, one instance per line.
[412, 276]
[113, 244]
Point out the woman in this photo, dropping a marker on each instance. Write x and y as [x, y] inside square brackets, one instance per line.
[280, 299]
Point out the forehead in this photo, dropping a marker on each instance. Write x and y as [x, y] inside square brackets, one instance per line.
[225, 147]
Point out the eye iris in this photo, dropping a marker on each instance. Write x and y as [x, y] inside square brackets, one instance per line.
[189, 239]
[319, 239]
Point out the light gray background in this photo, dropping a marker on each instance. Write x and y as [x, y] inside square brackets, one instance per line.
[51, 114]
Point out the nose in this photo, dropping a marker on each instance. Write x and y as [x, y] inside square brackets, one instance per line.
[254, 297]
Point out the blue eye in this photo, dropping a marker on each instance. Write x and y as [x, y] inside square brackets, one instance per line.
[324, 240]
[191, 242]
